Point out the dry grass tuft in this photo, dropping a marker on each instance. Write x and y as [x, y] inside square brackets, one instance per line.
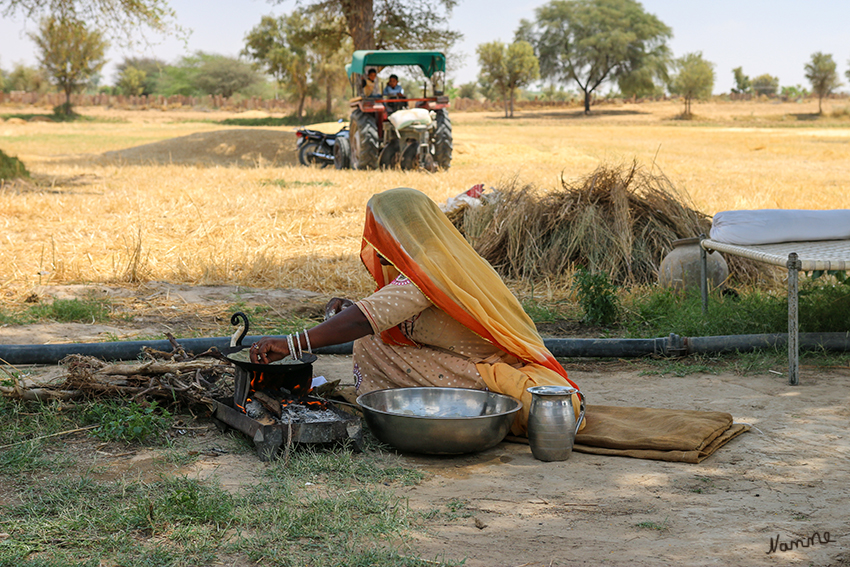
[619, 220]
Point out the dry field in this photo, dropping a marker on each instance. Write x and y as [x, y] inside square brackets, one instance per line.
[84, 220]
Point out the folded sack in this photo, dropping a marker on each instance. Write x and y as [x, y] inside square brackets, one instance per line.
[687, 436]
[770, 226]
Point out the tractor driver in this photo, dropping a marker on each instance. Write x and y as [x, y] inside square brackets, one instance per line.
[394, 90]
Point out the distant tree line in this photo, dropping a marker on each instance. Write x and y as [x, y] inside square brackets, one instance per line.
[580, 43]
[589, 43]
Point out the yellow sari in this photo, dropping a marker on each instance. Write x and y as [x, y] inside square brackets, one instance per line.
[408, 229]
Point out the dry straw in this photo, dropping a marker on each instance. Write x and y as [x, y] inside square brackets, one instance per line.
[619, 220]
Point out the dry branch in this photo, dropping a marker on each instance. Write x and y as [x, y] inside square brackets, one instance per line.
[192, 381]
[269, 403]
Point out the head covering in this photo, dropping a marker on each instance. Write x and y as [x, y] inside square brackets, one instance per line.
[409, 230]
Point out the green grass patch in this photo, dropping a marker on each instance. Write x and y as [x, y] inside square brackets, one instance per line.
[542, 312]
[90, 310]
[11, 167]
[55, 117]
[660, 526]
[322, 506]
[130, 422]
[71, 311]
[824, 307]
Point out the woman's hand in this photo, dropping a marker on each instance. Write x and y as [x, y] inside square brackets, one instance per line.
[268, 350]
[348, 325]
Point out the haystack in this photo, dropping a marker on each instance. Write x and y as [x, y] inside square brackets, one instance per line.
[620, 221]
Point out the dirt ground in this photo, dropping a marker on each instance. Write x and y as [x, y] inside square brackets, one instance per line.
[784, 480]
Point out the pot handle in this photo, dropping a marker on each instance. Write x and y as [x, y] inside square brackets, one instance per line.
[581, 411]
[237, 319]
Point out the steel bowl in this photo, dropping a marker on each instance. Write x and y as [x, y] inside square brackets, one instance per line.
[439, 421]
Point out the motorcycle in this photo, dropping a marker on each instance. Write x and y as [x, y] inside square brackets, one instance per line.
[317, 148]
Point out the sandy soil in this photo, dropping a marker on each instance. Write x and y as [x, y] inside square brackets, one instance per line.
[784, 479]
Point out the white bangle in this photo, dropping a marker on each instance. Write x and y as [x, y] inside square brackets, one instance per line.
[307, 338]
[291, 346]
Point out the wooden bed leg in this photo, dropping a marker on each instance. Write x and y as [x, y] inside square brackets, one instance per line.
[793, 322]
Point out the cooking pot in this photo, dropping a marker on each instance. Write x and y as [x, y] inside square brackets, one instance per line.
[295, 377]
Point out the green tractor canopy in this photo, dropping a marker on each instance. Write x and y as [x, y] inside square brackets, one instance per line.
[429, 61]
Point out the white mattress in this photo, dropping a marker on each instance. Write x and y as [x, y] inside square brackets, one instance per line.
[768, 226]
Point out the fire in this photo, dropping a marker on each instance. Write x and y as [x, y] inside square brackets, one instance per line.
[262, 383]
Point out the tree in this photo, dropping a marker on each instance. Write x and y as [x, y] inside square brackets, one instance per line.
[820, 72]
[120, 17]
[742, 81]
[593, 41]
[131, 81]
[649, 77]
[70, 53]
[207, 74]
[222, 75]
[391, 24]
[275, 47]
[694, 79]
[28, 79]
[468, 90]
[153, 69]
[765, 85]
[329, 49]
[507, 68]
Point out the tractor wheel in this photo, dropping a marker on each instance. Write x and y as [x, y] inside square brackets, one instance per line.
[342, 153]
[443, 139]
[390, 155]
[363, 137]
[410, 156]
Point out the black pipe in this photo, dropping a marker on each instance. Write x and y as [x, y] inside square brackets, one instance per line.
[126, 350]
[746, 343]
[605, 348]
[562, 348]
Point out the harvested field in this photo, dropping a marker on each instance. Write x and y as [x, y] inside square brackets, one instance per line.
[294, 227]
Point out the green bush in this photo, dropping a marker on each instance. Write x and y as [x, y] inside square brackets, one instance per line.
[131, 423]
[597, 297]
[11, 167]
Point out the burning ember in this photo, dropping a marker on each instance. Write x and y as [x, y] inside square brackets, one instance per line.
[289, 411]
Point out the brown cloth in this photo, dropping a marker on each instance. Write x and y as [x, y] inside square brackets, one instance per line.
[686, 436]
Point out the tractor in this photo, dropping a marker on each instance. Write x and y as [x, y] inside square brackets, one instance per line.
[410, 132]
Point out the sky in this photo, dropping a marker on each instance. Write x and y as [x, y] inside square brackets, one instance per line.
[776, 37]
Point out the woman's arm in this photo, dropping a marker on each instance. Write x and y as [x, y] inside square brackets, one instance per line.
[348, 325]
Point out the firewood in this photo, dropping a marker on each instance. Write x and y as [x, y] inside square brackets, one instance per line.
[272, 405]
[157, 367]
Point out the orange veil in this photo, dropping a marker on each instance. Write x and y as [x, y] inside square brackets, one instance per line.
[415, 236]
